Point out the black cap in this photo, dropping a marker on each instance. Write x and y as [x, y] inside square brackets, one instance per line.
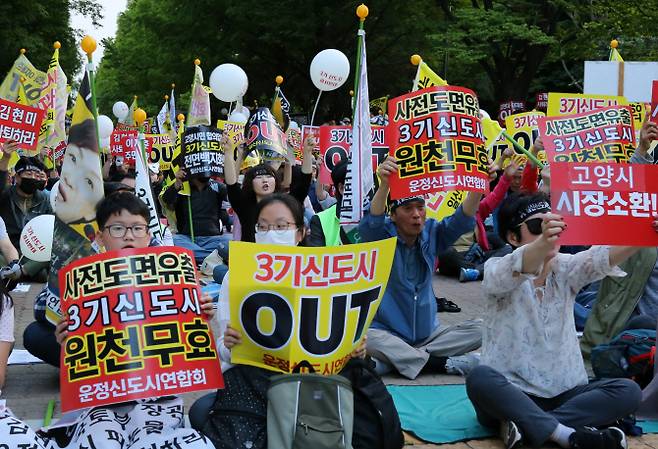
[394, 204]
[339, 173]
[29, 163]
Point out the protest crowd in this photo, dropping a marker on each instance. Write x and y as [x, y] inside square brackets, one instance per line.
[287, 268]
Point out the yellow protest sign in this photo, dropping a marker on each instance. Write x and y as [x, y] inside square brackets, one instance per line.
[523, 127]
[443, 204]
[161, 150]
[235, 131]
[569, 104]
[33, 81]
[294, 304]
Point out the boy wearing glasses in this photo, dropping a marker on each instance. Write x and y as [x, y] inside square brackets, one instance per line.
[531, 380]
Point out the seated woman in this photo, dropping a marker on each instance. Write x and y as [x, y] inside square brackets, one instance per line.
[532, 379]
[279, 221]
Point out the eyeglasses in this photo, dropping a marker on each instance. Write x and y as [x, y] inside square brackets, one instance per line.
[119, 230]
[533, 225]
[279, 227]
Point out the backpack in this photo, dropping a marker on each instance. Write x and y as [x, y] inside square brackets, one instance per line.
[309, 411]
[630, 354]
[376, 421]
[238, 417]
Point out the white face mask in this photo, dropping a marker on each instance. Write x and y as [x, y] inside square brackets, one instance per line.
[287, 237]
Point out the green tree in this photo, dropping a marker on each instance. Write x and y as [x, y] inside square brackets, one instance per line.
[35, 25]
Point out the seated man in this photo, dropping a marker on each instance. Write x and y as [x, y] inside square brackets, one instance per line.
[405, 333]
[531, 380]
[23, 201]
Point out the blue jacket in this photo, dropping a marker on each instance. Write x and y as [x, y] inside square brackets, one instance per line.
[408, 308]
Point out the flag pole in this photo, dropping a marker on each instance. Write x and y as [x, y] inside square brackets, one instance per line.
[362, 13]
[88, 45]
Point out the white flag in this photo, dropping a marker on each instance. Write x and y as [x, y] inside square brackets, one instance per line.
[143, 190]
[359, 180]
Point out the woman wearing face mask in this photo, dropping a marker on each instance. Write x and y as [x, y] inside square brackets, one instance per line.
[279, 221]
[259, 183]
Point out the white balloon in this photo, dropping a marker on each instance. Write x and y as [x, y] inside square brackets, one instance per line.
[37, 238]
[244, 111]
[105, 142]
[228, 82]
[238, 117]
[105, 127]
[293, 125]
[53, 196]
[329, 69]
[484, 114]
[224, 111]
[120, 110]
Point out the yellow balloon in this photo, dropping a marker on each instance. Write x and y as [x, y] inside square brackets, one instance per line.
[139, 116]
[57, 45]
[88, 44]
[279, 80]
[197, 61]
[362, 11]
[180, 117]
[614, 43]
[415, 59]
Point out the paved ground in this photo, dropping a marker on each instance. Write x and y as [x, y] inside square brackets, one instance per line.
[30, 387]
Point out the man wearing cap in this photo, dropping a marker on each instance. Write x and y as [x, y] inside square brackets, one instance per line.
[405, 333]
[532, 378]
[24, 200]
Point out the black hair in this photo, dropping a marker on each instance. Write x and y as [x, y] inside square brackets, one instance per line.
[339, 173]
[119, 176]
[83, 135]
[287, 200]
[248, 182]
[514, 204]
[117, 202]
[5, 298]
[29, 160]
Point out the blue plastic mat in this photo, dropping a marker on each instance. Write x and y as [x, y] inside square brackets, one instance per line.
[437, 413]
[443, 414]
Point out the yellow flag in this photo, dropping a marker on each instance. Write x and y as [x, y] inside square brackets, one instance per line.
[32, 84]
[301, 304]
[426, 77]
[615, 56]
[53, 99]
[22, 96]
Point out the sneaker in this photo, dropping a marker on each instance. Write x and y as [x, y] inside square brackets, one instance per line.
[463, 364]
[510, 434]
[468, 275]
[591, 438]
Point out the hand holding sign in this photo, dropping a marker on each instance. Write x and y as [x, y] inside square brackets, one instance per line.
[648, 134]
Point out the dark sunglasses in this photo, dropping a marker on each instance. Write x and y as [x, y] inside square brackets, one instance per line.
[533, 225]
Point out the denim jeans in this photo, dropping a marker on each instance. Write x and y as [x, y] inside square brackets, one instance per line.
[203, 245]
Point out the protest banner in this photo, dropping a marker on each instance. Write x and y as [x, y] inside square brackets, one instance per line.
[605, 204]
[23, 72]
[265, 137]
[294, 139]
[21, 123]
[507, 108]
[308, 130]
[335, 144]
[436, 137]
[305, 304]
[568, 104]
[443, 204]
[122, 146]
[160, 150]
[541, 101]
[203, 155]
[601, 135]
[234, 131]
[135, 329]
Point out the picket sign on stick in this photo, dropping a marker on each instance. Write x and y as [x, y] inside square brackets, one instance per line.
[518, 146]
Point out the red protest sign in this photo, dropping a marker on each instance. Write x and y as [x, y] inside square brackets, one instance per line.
[135, 329]
[605, 204]
[654, 102]
[437, 139]
[541, 101]
[123, 145]
[603, 135]
[335, 144]
[508, 108]
[21, 123]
